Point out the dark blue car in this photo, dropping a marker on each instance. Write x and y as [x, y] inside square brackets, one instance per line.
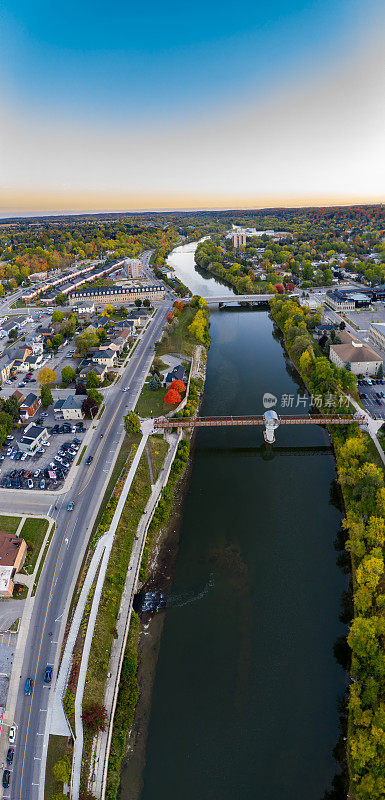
[48, 674]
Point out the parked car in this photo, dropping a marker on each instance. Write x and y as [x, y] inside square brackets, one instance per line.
[30, 483]
[42, 484]
[12, 735]
[10, 754]
[6, 777]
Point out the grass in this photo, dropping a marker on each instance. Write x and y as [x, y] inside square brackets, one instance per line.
[374, 455]
[41, 565]
[33, 531]
[123, 455]
[177, 338]
[151, 404]
[9, 524]
[158, 448]
[57, 748]
[79, 461]
[105, 626]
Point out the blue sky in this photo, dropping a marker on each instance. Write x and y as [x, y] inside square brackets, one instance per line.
[121, 105]
[149, 58]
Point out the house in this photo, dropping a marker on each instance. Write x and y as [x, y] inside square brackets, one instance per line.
[29, 406]
[12, 322]
[6, 364]
[339, 301]
[88, 307]
[106, 357]
[70, 407]
[32, 438]
[355, 355]
[13, 551]
[18, 395]
[178, 373]
[91, 366]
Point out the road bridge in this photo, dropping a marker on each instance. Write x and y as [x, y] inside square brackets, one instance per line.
[269, 420]
[250, 299]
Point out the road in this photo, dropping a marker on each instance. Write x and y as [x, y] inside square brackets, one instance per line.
[61, 566]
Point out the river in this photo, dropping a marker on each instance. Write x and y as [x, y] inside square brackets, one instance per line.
[244, 704]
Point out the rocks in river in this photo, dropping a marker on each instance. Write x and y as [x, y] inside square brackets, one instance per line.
[149, 602]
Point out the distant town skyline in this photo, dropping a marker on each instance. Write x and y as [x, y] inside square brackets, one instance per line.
[153, 109]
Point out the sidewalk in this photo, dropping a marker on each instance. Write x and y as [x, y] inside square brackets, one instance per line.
[78, 746]
[103, 742]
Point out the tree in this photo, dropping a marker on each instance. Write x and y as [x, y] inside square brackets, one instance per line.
[60, 299]
[96, 396]
[57, 315]
[132, 423]
[62, 770]
[46, 396]
[138, 303]
[67, 375]
[57, 340]
[80, 388]
[95, 717]
[178, 385]
[6, 422]
[46, 375]
[155, 382]
[92, 379]
[11, 406]
[89, 407]
[13, 334]
[85, 341]
[380, 371]
[146, 302]
[172, 397]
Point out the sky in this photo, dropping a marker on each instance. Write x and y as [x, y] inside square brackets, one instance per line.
[125, 106]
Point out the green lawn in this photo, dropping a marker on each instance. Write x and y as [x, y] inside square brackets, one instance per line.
[151, 404]
[33, 531]
[177, 338]
[158, 448]
[57, 749]
[9, 524]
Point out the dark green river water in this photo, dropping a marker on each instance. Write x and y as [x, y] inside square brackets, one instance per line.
[244, 704]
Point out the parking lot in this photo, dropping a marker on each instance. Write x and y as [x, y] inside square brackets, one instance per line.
[47, 469]
[374, 402]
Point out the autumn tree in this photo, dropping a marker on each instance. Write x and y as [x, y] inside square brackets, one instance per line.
[46, 375]
[172, 397]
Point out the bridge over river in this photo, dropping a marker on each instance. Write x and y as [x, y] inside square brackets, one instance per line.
[249, 299]
[269, 420]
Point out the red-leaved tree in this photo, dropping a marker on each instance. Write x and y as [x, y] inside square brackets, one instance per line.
[95, 717]
[178, 385]
[172, 397]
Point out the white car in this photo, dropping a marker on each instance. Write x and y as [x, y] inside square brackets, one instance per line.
[12, 735]
[126, 389]
[24, 456]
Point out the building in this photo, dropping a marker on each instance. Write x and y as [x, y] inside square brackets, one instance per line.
[85, 308]
[377, 334]
[134, 268]
[70, 407]
[178, 373]
[166, 272]
[87, 366]
[33, 436]
[106, 357]
[354, 355]
[29, 406]
[339, 301]
[239, 240]
[6, 364]
[13, 551]
[116, 295]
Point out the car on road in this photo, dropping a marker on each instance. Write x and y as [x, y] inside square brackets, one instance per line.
[70, 505]
[126, 389]
[28, 686]
[12, 735]
[10, 754]
[10, 438]
[48, 674]
[6, 777]
[89, 460]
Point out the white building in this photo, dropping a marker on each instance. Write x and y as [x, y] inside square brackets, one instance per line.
[377, 334]
[354, 355]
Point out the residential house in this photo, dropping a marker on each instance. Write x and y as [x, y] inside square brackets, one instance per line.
[32, 438]
[6, 364]
[70, 407]
[29, 406]
[178, 373]
[13, 551]
[106, 357]
[91, 366]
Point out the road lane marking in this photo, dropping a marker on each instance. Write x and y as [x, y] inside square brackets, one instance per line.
[37, 666]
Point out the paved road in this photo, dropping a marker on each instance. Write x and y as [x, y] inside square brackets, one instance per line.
[62, 564]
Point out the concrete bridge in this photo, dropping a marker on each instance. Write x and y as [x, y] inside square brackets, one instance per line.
[250, 299]
[269, 420]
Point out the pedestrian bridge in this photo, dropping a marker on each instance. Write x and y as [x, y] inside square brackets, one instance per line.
[269, 420]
